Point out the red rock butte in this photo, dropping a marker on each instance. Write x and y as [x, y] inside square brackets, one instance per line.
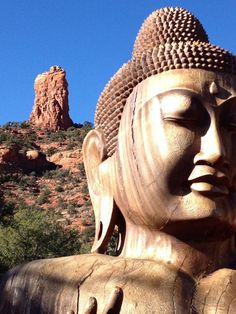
[51, 108]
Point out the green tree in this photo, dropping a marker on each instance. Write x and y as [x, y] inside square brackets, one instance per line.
[35, 234]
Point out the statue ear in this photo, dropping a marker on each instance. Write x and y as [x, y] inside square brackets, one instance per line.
[97, 169]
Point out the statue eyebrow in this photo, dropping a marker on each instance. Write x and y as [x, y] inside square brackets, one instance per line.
[185, 91]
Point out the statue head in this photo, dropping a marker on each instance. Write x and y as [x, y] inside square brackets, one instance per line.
[163, 154]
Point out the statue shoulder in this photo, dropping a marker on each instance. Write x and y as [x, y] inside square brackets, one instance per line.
[76, 283]
[65, 284]
[50, 284]
[216, 291]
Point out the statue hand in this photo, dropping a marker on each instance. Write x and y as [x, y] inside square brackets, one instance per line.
[112, 307]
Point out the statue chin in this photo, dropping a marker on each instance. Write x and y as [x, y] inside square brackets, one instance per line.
[160, 165]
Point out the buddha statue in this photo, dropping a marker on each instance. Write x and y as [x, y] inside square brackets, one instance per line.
[161, 170]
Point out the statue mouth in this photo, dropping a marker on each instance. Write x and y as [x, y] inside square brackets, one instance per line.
[209, 181]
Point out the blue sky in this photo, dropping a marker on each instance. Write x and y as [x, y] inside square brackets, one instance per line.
[90, 39]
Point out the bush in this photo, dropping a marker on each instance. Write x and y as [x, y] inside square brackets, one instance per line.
[59, 188]
[84, 189]
[71, 209]
[6, 213]
[27, 181]
[35, 234]
[85, 248]
[24, 125]
[9, 136]
[88, 234]
[43, 197]
[50, 151]
[70, 146]
[10, 139]
[81, 170]
[58, 136]
[60, 174]
[8, 177]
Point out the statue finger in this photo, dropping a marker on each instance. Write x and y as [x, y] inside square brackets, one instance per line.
[91, 307]
[115, 301]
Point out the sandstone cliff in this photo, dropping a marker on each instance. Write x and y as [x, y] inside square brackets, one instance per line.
[51, 109]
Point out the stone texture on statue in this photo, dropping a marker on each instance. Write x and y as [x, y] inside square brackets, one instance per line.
[161, 170]
[51, 109]
[67, 284]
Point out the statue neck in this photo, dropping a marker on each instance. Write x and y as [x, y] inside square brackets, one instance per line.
[196, 259]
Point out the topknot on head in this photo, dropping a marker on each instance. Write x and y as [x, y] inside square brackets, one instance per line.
[166, 26]
[169, 39]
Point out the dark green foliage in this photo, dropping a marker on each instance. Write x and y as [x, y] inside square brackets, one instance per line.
[61, 204]
[87, 125]
[113, 243]
[71, 209]
[57, 174]
[85, 247]
[88, 233]
[59, 188]
[50, 151]
[34, 234]
[27, 181]
[75, 135]
[10, 139]
[43, 197]
[9, 177]
[70, 146]
[81, 170]
[6, 213]
[84, 189]
[10, 125]
[58, 136]
[26, 231]
[9, 135]
[24, 125]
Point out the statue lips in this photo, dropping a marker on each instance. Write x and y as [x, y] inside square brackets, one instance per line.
[209, 181]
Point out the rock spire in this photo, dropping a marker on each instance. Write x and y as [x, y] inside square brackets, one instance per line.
[51, 109]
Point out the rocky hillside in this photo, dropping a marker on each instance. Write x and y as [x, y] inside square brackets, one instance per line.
[44, 170]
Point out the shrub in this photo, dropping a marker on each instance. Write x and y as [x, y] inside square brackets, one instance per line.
[61, 203]
[59, 188]
[24, 125]
[43, 197]
[35, 234]
[8, 177]
[50, 151]
[6, 213]
[85, 248]
[84, 189]
[58, 136]
[27, 181]
[71, 209]
[81, 170]
[70, 146]
[49, 174]
[88, 234]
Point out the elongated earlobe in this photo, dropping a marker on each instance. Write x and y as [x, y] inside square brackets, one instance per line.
[97, 170]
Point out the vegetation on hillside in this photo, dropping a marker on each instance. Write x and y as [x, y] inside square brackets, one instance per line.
[29, 233]
[46, 214]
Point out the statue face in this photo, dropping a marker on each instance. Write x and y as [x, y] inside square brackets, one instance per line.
[176, 157]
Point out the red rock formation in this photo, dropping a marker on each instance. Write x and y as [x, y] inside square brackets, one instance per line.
[51, 109]
[13, 159]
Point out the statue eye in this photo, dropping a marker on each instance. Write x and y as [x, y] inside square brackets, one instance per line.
[183, 109]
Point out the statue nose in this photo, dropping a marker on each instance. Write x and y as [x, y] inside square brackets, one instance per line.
[212, 149]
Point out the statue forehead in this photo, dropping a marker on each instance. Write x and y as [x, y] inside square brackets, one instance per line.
[196, 80]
